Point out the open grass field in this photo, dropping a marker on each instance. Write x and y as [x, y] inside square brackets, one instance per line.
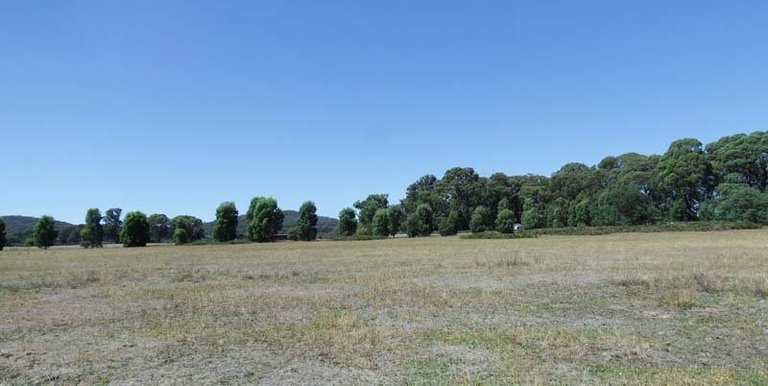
[639, 308]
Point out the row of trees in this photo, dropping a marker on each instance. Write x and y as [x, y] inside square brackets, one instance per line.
[724, 180]
[265, 219]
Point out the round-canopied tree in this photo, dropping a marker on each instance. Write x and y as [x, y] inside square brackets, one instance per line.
[44, 233]
[380, 223]
[420, 222]
[113, 224]
[92, 234]
[505, 221]
[394, 218]
[480, 219]
[159, 228]
[347, 222]
[180, 236]
[225, 228]
[266, 219]
[447, 226]
[306, 225]
[135, 230]
[191, 224]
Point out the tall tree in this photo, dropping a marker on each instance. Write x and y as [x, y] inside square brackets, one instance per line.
[686, 174]
[44, 233]
[135, 230]
[367, 208]
[505, 221]
[306, 225]
[394, 218]
[380, 223]
[741, 157]
[462, 189]
[266, 219]
[192, 225]
[113, 224]
[225, 228]
[159, 228]
[737, 202]
[481, 220]
[3, 239]
[424, 191]
[92, 234]
[447, 225]
[420, 222]
[347, 222]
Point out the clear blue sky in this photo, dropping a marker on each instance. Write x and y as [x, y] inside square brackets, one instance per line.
[175, 106]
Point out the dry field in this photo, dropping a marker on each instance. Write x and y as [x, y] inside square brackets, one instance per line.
[661, 308]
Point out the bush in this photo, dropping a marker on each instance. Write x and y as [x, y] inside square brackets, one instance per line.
[449, 225]
[380, 223]
[419, 223]
[505, 221]
[180, 236]
[497, 235]
[479, 221]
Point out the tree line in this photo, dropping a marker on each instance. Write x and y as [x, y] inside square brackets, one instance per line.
[723, 180]
[265, 219]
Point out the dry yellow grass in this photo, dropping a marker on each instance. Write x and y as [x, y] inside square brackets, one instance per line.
[662, 308]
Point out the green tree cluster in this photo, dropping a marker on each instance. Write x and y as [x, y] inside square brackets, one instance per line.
[159, 228]
[306, 226]
[44, 234]
[225, 227]
[347, 222]
[113, 225]
[92, 232]
[192, 226]
[265, 219]
[682, 184]
[134, 231]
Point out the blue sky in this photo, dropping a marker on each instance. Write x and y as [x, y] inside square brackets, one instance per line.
[175, 106]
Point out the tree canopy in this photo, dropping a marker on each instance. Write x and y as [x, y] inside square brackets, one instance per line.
[92, 233]
[305, 228]
[135, 230]
[225, 227]
[265, 219]
[44, 233]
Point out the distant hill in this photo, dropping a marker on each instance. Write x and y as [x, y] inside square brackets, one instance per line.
[17, 228]
[326, 226]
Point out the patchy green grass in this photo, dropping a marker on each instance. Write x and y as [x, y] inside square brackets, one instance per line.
[630, 308]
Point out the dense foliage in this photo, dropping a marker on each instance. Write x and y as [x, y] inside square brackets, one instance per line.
[92, 233]
[265, 219]
[225, 228]
[347, 222]
[44, 234]
[113, 225]
[722, 181]
[135, 230]
[159, 228]
[192, 226]
[305, 228]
